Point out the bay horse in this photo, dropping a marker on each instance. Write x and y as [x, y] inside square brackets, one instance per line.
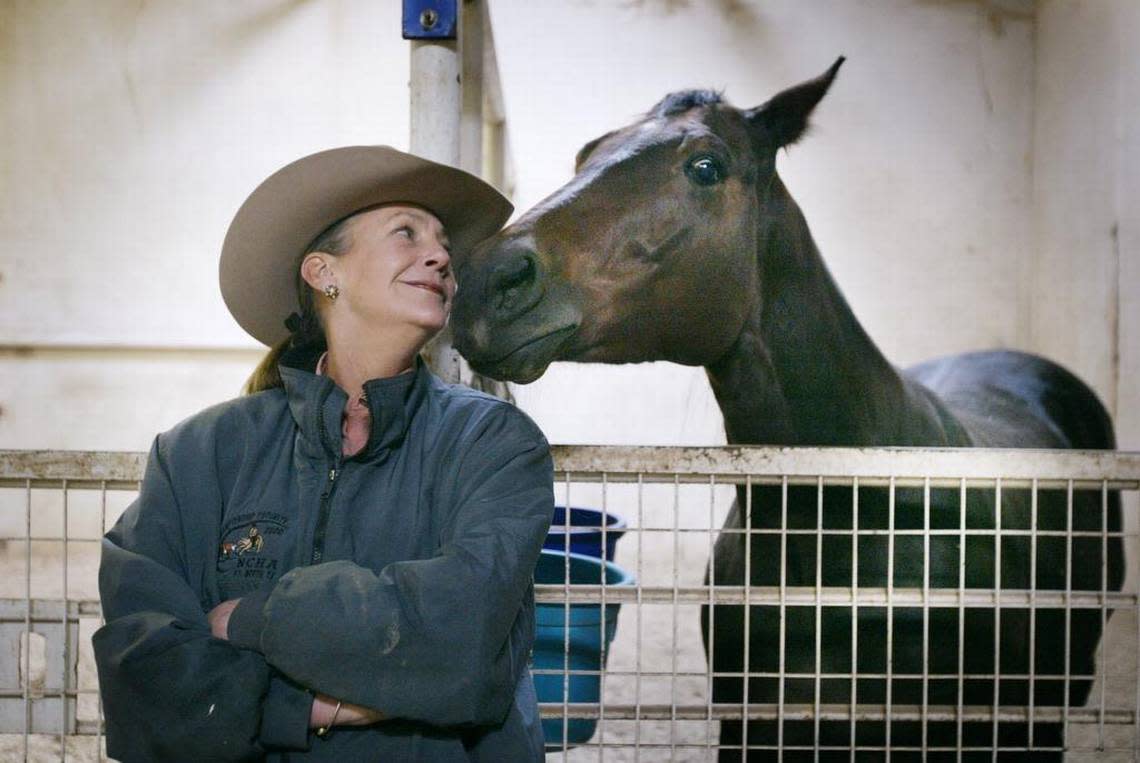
[677, 240]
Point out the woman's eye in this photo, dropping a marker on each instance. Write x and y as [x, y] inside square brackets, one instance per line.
[705, 170]
[406, 232]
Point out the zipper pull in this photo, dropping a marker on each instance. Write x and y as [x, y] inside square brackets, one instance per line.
[332, 475]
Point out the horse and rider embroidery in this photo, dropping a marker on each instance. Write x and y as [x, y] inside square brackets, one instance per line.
[250, 549]
[253, 541]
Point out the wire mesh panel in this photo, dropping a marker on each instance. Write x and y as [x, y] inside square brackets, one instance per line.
[842, 604]
[54, 508]
[795, 603]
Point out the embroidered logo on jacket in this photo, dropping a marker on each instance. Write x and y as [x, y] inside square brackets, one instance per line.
[253, 541]
[250, 548]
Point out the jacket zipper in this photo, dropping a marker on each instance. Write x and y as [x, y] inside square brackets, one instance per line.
[323, 516]
[326, 500]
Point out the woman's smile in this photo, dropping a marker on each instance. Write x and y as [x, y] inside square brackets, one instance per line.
[431, 286]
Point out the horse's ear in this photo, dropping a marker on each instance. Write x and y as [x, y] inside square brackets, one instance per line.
[785, 116]
[585, 151]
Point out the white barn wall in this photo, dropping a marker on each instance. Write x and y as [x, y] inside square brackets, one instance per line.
[111, 400]
[1085, 308]
[131, 133]
[1085, 302]
[140, 132]
[1126, 144]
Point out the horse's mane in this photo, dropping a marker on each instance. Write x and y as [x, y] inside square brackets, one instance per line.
[683, 100]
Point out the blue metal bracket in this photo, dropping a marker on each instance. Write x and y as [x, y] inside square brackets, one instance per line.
[430, 19]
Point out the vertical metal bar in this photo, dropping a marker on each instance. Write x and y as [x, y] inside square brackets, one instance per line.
[1032, 605]
[783, 613]
[1068, 599]
[925, 603]
[676, 598]
[961, 611]
[1136, 706]
[747, 608]
[818, 606]
[890, 608]
[66, 678]
[997, 612]
[566, 627]
[854, 608]
[640, 577]
[603, 620]
[27, 645]
[1104, 657]
[102, 620]
[711, 619]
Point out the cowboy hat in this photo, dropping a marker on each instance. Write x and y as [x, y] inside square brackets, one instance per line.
[283, 215]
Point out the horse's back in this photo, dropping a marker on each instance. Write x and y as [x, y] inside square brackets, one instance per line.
[1008, 399]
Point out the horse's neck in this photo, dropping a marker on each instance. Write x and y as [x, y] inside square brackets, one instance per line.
[803, 371]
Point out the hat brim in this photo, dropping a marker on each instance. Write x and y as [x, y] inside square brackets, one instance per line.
[283, 215]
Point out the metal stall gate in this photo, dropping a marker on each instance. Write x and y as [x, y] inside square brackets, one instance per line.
[54, 508]
[888, 623]
[901, 665]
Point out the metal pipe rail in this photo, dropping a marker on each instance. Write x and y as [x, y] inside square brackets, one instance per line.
[835, 712]
[835, 596]
[906, 466]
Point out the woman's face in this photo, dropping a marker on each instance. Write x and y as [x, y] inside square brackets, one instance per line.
[396, 273]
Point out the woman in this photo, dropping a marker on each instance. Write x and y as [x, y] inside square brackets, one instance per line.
[338, 566]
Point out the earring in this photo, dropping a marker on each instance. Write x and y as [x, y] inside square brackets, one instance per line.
[332, 292]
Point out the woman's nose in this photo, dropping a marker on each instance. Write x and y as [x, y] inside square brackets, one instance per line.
[438, 258]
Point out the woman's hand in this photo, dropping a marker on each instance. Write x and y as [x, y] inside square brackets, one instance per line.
[219, 618]
[350, 715]
[324, 706]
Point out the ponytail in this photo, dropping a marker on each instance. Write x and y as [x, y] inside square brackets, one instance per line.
[266, 375]
[304, 332]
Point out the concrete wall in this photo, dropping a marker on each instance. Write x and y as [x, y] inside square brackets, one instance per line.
[941, 180]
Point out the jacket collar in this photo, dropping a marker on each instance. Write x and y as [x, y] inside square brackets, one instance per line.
[317, 403]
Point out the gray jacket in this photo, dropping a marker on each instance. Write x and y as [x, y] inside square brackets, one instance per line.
[399, 579]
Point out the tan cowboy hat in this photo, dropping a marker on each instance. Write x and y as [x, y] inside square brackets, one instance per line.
[295, 204]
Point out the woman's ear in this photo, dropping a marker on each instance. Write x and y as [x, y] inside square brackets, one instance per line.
[316, 270]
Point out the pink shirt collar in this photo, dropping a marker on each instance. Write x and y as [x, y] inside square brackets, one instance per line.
[356, 421]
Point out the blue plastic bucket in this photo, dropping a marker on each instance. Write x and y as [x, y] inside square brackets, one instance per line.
[585, 532]
[579, 648]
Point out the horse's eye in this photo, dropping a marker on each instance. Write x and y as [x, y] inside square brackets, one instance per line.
[705, 170]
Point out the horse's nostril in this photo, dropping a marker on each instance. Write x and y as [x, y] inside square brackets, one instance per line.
[518, 273]
[513, 281]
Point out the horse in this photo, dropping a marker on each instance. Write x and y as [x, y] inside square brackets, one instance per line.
[677, 240]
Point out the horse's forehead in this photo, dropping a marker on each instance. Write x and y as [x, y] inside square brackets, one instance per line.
[656, 131]
[695, 121]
